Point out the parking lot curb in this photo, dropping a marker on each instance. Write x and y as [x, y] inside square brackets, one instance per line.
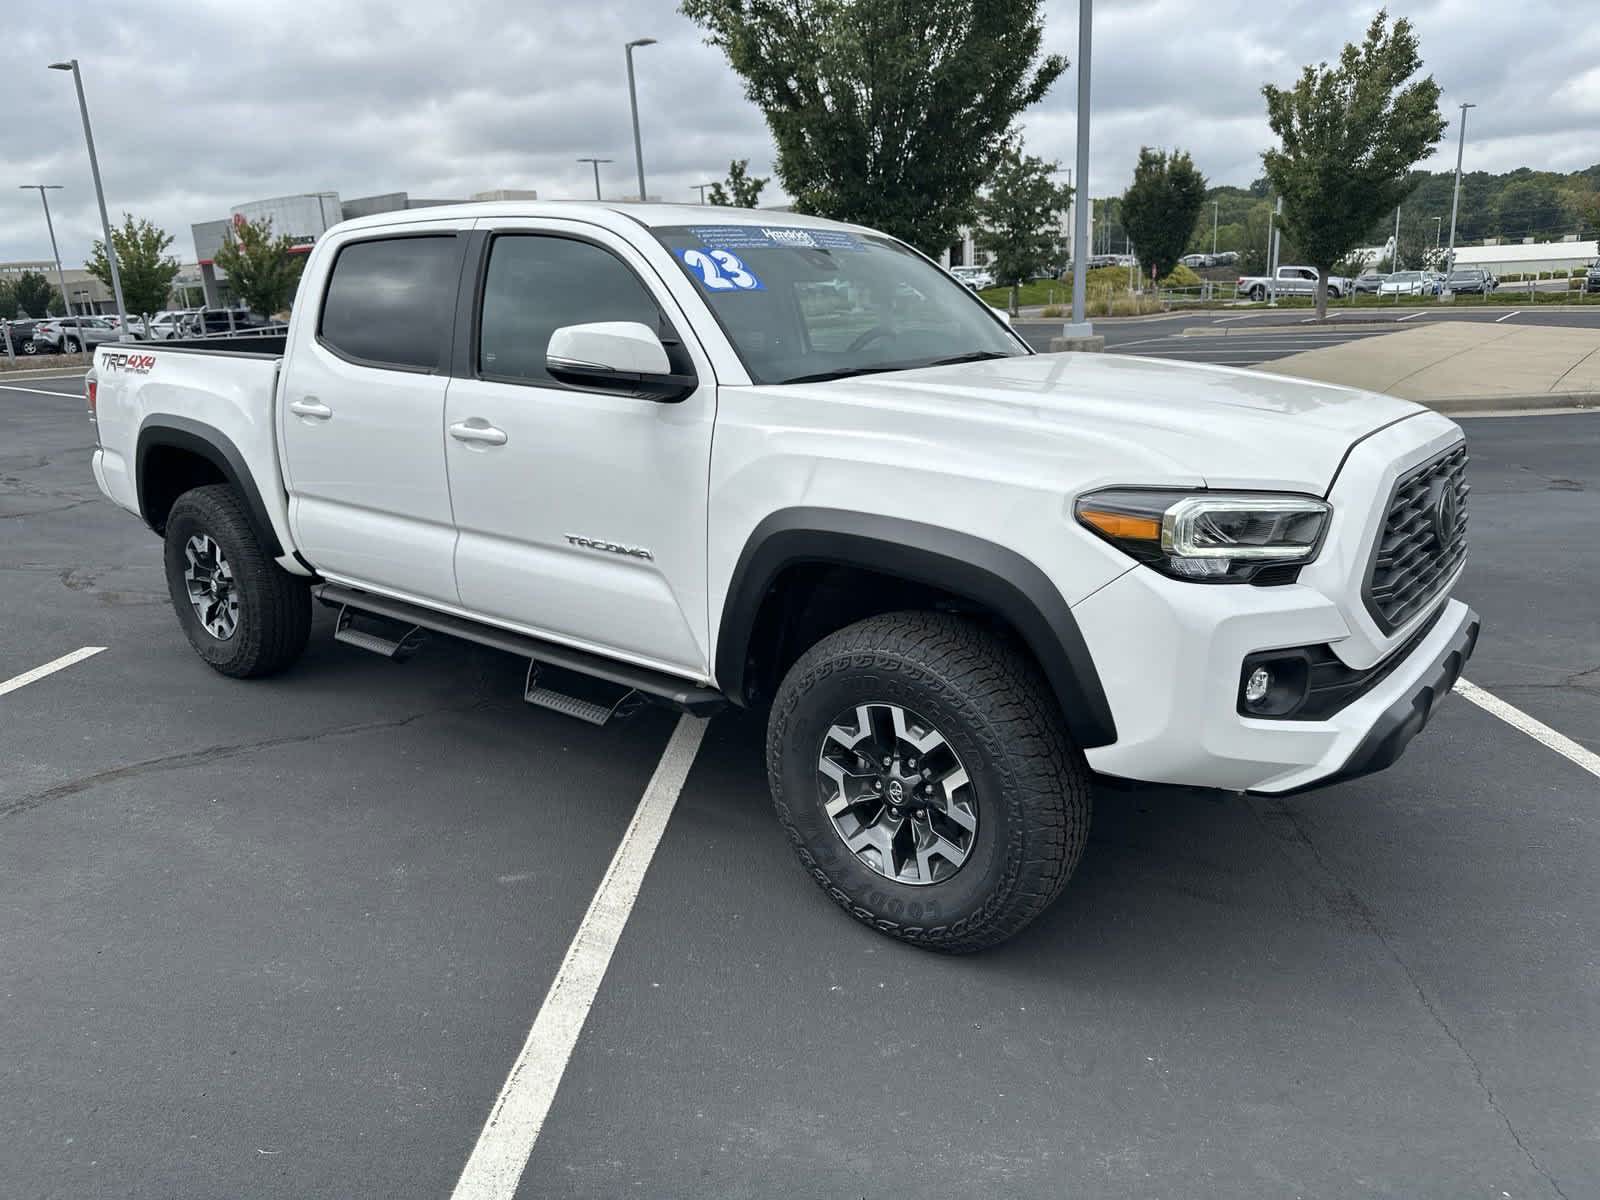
[70, 363]
[1511, 402]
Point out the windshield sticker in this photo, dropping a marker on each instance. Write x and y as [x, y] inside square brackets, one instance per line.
[750, 237]
[720, 271]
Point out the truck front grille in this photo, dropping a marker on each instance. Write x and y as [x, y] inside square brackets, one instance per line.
[1424, 539]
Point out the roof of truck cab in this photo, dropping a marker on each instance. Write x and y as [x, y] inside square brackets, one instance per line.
[601, 213]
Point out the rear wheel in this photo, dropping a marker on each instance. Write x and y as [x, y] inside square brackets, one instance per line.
[242, 613]
[29, 347]
[68, 346]
[1258, 292]
[921, 767]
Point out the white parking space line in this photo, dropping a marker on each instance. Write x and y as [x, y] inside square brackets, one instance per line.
[1412, 317]
[497, 1161]
[49, 668]
[34, 391]
[1536, 729]
[1508, 316]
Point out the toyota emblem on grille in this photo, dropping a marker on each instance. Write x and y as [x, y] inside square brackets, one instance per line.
[1444, 514]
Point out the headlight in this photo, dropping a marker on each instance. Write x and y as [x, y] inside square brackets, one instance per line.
[1209, 537]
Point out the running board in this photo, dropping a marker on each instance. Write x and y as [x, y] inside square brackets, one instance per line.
[399, 650]
[656, 686]
[573, 706]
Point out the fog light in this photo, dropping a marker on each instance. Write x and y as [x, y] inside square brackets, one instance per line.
[1257, 686]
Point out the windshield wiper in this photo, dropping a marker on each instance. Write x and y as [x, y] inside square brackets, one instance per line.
[974, 356]
[841, 373]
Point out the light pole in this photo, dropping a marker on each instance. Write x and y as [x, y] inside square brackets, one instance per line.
[1394, 259]
[1213, 229]
[702, 187]
[1455, 196]
[633, 102]
[596, 162]
[1437, 222]
[61, 276]
[1080, 326]
[100, 195]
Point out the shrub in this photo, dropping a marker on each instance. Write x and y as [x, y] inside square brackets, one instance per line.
[1181, 277]
[1053, 310]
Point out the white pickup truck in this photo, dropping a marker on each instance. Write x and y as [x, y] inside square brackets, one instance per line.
[1291, 281]
[712, 456]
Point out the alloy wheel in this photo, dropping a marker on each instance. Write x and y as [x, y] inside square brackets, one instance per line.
[897, 793]
[209, 580]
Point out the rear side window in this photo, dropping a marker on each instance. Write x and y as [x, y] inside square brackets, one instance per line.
[538, 283]
[391, 302]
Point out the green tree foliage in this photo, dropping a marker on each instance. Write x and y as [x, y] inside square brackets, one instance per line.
[260, 268]
[1160, 207]
[1019, 221]
[891, 113]
[742, 190]
[1528, 207]
[147, 270]
[1350, 135]
[8, 300]
[33, 295]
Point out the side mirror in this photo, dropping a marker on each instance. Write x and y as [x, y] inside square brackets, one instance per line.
[616, 356]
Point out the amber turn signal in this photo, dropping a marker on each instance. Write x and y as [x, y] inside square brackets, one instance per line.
[1122, 525]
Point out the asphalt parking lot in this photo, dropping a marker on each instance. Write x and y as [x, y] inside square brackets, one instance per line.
[1243, 339]
[286, 938]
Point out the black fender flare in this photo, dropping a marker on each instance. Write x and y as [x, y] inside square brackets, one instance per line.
[211, 444]
[989, 575]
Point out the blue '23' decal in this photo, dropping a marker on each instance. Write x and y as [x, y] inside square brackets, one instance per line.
[720, 271]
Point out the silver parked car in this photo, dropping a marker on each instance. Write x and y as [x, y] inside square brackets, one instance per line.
[73, 335]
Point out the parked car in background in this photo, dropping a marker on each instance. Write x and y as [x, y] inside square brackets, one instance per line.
[70, 335]
[1291, 281]
[1367, 283]
[1195, 261]
[167, 324]
[1406, 283]
[204, 321]
[975, 278]
[1591, 280]
[21, 334]
[1470, 280]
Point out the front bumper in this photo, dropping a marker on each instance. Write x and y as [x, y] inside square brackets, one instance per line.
[1170, 667]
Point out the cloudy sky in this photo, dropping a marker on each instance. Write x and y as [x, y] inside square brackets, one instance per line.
[199, 106]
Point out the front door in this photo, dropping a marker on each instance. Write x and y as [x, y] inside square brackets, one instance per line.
[581, 515]
[363, 415]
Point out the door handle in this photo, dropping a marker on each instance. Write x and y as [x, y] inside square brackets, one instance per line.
[488, 435]
[310, 406]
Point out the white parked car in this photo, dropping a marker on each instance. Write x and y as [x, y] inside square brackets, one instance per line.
[1407, 283]
[961, 579]
[976, 278]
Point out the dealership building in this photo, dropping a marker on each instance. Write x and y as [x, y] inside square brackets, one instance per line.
[303, 218]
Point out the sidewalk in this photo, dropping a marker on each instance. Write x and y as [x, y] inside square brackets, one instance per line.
[1464, 366]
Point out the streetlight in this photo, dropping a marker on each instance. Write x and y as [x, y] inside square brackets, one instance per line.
[633, 102]
[1437, 222]
[1214, 204]
[100, 194]
[1455, 197]
[702, 187]
[61, 276]
[596, 162]
[1080, 326]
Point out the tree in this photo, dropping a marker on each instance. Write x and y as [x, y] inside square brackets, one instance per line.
[146, 270]
[260, 268]
[1019, 221]
[34, 295]
[1531, 208]
[887, 113]
[1160, 207]
[743, 190]
[1350, 135]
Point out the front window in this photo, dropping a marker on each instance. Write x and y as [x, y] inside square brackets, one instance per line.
[803, 304]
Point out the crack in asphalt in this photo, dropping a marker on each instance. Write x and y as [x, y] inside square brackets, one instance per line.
[211, 754]
[1349, 902]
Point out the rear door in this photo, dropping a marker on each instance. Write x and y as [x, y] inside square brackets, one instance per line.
[581, 514]
[361, 410]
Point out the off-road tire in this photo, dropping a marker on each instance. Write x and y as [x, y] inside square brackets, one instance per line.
[274, 617]
[995, 710]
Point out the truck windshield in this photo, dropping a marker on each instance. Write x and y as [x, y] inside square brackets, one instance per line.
[803, 304]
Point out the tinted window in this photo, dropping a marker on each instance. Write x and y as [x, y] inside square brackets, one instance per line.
[537, 284]
[391, 301]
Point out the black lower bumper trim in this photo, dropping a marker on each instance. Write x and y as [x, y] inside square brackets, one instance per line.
[1407, 716]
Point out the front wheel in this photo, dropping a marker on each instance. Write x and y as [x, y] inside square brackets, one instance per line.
[921, 767]
[68, 346]
[1258, 293]
[242, 613]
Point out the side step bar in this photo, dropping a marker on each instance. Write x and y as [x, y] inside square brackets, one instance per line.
[651, 685]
